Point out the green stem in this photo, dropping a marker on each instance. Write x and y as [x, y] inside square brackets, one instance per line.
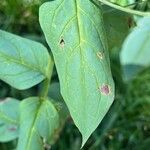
[45, 88]
[127, 10]
[46, 82]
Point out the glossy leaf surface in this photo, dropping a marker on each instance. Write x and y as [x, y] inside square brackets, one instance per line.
[74, 31]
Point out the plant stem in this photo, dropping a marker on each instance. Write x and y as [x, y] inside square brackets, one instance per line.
[45, 88]
[46, 82]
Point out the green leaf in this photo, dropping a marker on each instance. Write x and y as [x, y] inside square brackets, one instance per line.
[23, 63]
[39, 119]
[8, 132]
[9, 110]
[136, 49]
[74, 31]
[9, 119]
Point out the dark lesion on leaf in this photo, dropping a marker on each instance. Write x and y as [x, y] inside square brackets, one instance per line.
[105, 89]
[62, 42]
[131, 23]
[12, 129]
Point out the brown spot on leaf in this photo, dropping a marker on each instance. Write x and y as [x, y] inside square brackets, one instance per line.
[131, 22]
[62, 43]
[105, 89]
[100, 55]
[12, 129]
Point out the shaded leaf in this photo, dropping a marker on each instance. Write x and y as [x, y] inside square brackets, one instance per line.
[135, 51]
[117, 25]
[39, 120]
[9, 110]
[23, 63]
[54, 91]
[9, 119]
[8, 132]
[78, 43]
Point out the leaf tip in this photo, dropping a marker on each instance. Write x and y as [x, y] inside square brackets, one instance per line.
[84, 140]
[85, 137]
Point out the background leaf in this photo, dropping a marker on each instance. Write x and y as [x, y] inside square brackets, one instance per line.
[135, 51]
[23, 63]
[117, 25]
[81, 59]
[39, 120]
[8, 132]
[9, 110]
[9, 119]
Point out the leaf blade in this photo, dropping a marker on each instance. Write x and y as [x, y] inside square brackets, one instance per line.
[23, 62]
[135, 55]
[8, 132]
[9, 119]
[81, 59]
[36, 122]
[9, 110]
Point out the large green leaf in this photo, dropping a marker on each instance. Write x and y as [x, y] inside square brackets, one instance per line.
[74, 31]
[136, 49]
[23, 63]
[9, 119]
[39, 119]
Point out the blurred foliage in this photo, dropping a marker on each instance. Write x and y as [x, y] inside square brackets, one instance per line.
[143, 5]
[139, 52]
[127, 124]
[17, 16]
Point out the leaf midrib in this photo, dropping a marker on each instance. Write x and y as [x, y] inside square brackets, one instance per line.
[7, 118]
[82, 58]
[31, 132]
[9, 59]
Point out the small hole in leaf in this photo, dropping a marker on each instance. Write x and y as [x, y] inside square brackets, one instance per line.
[62, 43]
[100, 55]
[105, 89]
